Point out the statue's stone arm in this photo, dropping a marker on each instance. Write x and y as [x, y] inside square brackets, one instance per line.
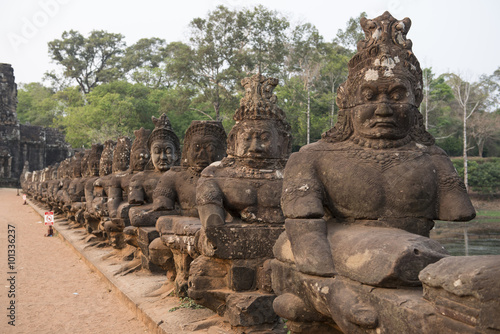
[89, 194]
[136, 192]
[454, 203]
[302, 196]
[209, 198]
[115, 198]
[302, 204]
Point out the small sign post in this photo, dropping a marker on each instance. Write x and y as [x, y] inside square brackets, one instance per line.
[49, 218]
[24, 199]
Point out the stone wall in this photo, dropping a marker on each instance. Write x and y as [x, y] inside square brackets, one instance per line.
[19, 143]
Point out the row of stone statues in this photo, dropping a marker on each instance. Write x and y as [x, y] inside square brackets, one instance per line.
[334, 238]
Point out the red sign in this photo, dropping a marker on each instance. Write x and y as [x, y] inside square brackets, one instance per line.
[49, 218]
[24, 197]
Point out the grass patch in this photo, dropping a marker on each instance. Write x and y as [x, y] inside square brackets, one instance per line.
[488, 213]
[186, 302]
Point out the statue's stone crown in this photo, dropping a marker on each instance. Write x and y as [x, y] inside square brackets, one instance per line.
[141, 139]
[163, 131]
[385, 52]
[259, 101]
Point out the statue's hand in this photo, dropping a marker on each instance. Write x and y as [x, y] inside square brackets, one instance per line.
[211, 215]
[162, 203]
[310, 247]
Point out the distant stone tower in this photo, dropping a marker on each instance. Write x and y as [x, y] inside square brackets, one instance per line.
[10, 135]
[19, 143]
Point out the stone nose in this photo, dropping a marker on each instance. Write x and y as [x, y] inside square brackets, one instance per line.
[254, 145]
[383, 109]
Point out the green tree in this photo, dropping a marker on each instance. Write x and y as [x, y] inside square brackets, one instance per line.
[218, 57]
[469, 98]
[112, 110]
[435, 93]
[155, 64]
[36, 105]
[353, 33]
[306, 61]
[89, 61]
[266, 39]
[333, 73]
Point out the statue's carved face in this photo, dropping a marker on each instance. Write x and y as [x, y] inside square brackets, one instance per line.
[203, 150]
[257, 139]
[121, 161]
[385, 112]
[163, 155]
[94, 167]
[140, 159]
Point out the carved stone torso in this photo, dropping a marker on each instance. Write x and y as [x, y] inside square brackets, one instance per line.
[143, 184]
[253, 195]
[410, 182]
[370, 184]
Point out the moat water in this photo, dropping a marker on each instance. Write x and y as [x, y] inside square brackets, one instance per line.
[477, 237]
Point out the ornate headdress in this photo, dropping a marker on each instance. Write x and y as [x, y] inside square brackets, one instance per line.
[121, 153]
[140, 144]
[259, 103]
[141, 139]
[163, 131]
[204, 128]
[385, 52]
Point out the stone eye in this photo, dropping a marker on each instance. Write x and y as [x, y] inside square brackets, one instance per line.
[368, 94]
[397, 94]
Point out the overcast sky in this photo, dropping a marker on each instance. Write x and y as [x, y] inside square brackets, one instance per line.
[459, 36]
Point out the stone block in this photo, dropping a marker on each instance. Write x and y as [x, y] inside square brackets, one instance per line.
[145, 235]
[242, 278]
[250, 309]
[466, 289]
[240, 241]
[148, 265]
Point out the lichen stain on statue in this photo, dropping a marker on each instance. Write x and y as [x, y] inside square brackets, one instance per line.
[239, 208]
[175, 194]
[360, 202]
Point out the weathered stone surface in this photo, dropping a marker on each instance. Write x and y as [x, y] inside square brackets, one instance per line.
[466, 289]
[240, 241]
[247, 309]
[381, 256]
[178, 225]
[144, 237]
[239, 209]
[138, 157]
[361, 201]
[37, 146]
